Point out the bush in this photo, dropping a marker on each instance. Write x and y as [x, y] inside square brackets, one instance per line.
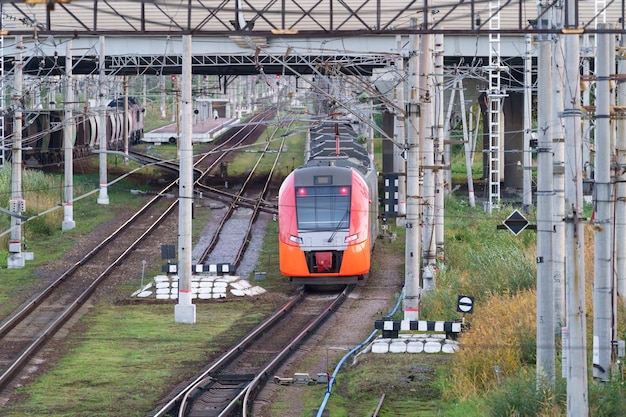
[607, 399]
[518, 396]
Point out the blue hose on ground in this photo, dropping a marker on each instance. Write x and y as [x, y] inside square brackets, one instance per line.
[347, 355]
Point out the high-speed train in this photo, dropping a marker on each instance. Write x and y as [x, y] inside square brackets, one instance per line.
[328, 209]
[43, 131]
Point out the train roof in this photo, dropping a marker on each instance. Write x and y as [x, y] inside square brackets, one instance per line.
[119, 102]
[352, 149]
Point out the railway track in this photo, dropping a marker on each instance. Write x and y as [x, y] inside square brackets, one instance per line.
[236, 224]
[229, 384]
[26, 331]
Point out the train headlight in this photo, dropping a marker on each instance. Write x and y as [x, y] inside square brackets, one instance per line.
[296, 239]
[351, 238]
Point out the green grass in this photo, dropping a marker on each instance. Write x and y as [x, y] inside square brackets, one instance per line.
[48, 242]
[128, 357]
[293, 153]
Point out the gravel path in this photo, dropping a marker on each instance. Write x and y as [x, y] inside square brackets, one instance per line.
[373, 298]
[231, 239]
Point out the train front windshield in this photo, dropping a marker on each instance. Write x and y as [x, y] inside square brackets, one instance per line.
[323, 208]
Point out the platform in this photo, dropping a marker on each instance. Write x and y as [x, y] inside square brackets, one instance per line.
[203, 131]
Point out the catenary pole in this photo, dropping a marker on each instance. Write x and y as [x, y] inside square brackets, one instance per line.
[399, 131]
[440, 161]
[185, 311]
[16, 259]
[68, 205]
[545, 193]
[412, 248]
[527, 193]
[427, 157]
[103, 196]
[468, 143]
[558, 142]
[620, 203]
[576, 342]
[603, 220]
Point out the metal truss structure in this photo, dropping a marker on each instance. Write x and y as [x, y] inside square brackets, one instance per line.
[322, 18]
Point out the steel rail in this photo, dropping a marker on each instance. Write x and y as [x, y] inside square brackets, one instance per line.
[230, 354]
[51, 328]
[232, 207]
[250, 392]
[181, 402]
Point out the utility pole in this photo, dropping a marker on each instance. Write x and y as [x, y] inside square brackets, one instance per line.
[125, 122]
[603, 236]
[17, 204]
[427, 156]
[399, 131]
[527, 192]
[545, 194]
[575, 340]
[103, 197]
[68, 204]
[620, 203]
[413, 199]
[440, 161]
[185, 311]
[558, 142]
[468, 142]
[3, 139]
[163, 96]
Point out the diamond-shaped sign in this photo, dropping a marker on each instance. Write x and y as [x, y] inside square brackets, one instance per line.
[516, 222]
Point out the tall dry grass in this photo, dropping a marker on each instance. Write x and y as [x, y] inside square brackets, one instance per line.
[503, 334]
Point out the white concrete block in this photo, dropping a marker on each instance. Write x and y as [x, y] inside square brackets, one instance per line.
[415, 346]
[380, 347]
[255, 291]
[449, 348]
[432, 347]
[229, 278]
[397, 346]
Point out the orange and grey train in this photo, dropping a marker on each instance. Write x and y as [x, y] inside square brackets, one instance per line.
[328, 210]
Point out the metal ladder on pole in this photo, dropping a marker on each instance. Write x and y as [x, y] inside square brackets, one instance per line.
[494, 99]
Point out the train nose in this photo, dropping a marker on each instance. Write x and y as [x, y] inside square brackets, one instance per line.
[324, 261]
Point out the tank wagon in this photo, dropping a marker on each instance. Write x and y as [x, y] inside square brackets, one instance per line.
[43, 131]
[328, 209]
